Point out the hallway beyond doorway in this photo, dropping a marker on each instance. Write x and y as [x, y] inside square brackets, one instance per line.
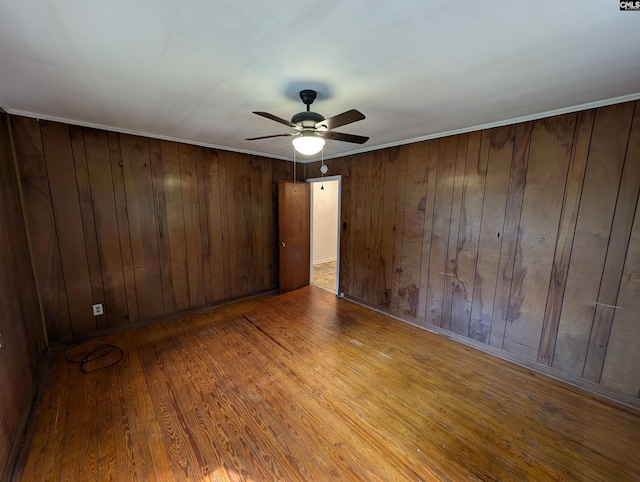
[324, 275]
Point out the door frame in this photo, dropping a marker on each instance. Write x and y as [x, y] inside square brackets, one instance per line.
[338, 178]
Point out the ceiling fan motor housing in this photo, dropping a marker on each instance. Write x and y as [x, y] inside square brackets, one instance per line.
[307, 119]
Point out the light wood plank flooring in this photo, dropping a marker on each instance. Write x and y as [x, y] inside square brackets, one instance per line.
[306, 386]
[324, 275]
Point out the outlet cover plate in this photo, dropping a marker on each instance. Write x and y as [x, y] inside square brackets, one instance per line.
[98, 310]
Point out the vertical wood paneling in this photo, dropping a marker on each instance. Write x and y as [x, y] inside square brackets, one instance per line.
[399, 228]
[191, 216]
[468, 232]
[239, 242]
[122, 217]
[21, 332]
[255, 176]
[268, 225]
[387, 236]
[597, 205]
[451, 265]
[224, 224]
[88, 222]
[622, 360]
[429, 204]
[360, 194]
[105, 216]
[367, 221]
[500, 151]
[41, 226]
[164, 247]
[204, 227]
[345, 170]
[549, 154]
[142, 225]
[68, 220]
[175, 224]
[413, 227]
[375, 277]
[214, 221]
[616, 253]
[510, 232]
[566, 230]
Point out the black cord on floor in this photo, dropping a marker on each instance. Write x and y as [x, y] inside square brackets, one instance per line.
[96, 353]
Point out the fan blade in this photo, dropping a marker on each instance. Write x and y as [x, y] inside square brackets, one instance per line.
[275, 135]
[339, 136]
[341, 119]
[276, 118]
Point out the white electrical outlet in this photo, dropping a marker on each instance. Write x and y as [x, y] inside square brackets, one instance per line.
[98, 310]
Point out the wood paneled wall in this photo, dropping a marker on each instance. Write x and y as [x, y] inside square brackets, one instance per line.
[146, 227]
[22, 340]
[525, 238]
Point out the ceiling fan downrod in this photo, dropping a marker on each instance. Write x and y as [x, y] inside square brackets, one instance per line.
[308, 96]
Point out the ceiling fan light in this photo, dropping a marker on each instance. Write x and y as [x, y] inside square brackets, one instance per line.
[308, 144]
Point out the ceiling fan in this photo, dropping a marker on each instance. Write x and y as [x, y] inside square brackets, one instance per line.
[311, 128]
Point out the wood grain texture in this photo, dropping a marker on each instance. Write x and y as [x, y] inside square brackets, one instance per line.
[204, 227]
[191, 215]
[160, 202]
[620, 369]
[305, 386]
[485, 326]
[214, 221]
[510, 233]
[468, 232]
[136, 168]
[68, 219]
[375, 236]
[414, 205]
[124, 233]
[387, 236]
[399, 228]
[626, 207]
[597, 207]
[360, 224]
[451, 268]
[149, 228]
[175, 224]
[294, 230]
[566, 231]
[239, 228]
[41, 225]
[88, 222]
[549, 153]
[21, 331]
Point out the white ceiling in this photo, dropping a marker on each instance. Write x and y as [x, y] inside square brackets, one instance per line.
[195, 70]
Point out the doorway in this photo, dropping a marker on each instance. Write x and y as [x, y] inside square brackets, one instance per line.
[325, 232]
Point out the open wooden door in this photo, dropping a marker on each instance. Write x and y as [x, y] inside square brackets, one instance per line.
[294, 234]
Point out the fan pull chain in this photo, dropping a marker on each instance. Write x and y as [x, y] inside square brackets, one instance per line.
[294, 169]
[322, 170]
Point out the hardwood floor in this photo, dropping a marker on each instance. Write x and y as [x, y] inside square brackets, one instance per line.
[306, 386]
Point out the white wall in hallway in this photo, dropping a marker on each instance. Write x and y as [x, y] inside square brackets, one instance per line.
[325, 221]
